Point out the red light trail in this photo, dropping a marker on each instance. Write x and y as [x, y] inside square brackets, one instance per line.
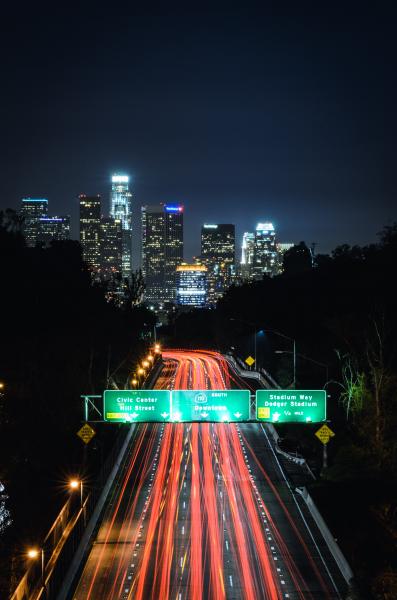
[194, 523]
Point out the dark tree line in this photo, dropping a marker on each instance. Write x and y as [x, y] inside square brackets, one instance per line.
[341, 311]
[59, 338]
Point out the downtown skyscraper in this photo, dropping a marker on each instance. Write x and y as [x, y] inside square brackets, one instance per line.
[191, 285]
[90, 230]
[218, 255]
[265, 260]
[111, 248]
[38, 226]
[53, 228]
[162, 250]
[247, 255]
[121, 210]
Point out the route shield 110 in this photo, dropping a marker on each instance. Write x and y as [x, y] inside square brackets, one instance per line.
[133, 406]
[210, 405]
[294, 406]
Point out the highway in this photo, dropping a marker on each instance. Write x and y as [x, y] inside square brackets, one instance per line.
[203, 510]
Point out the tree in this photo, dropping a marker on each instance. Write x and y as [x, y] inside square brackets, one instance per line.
[133, 291]
[297, 259]
[353, 386]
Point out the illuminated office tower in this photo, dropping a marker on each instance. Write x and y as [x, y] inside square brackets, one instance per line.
[218, 255]
[247, 255]
[153, 251]
[281, 250]
[173, 247]
[90, 230]
[265, 251]
[32, 210]
[110, 247]
[53, 228]
[121, 210]
[191, 285]
[162, 250]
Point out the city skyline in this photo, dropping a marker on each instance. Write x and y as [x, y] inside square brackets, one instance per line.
[287, 231]
[239, 115]
[106, 210]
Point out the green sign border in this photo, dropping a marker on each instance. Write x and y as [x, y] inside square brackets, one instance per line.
[290, 392]
[148, 416]
[209, 420]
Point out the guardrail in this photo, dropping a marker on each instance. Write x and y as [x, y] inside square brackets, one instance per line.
[263, 377]
[62, 540]
[336, 552]
[79, 551]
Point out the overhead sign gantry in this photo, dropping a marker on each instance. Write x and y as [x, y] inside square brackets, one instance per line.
[272, 406]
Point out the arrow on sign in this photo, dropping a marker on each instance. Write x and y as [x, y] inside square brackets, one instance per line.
[134, 415]
[164, 415]
[204, 414]
[237, 415]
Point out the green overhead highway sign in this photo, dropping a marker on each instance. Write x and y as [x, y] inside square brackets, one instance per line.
[296, 406]
[132, 406]
[210, 405]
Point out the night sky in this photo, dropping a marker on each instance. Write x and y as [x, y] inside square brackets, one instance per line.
[243, 115]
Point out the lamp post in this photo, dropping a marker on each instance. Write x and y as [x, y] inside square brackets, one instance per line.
[74, 485]
[287, 337]
[256, 331]
[33, 553]
[316, 362]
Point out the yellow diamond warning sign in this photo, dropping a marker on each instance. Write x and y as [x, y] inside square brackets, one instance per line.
[86, 433]
[324, 434]
[250, 361]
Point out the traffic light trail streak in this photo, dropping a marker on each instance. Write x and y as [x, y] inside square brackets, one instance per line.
[189, 516]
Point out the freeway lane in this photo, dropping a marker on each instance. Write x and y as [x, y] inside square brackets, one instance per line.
[202, 511]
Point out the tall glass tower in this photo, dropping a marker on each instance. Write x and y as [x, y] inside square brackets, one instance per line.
[265, 251]
[121, 210]
[162, 250]
[218, 255]
[90, 220]
[32, 210]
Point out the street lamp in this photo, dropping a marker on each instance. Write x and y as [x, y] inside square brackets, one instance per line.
[256, 331]
[316, 362]
[34, 553]
[74, 485]
[293, 351]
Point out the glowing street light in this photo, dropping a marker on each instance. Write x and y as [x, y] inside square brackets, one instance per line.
[145, 363]
[134, 382]
[141, 371]
[150, 357]
[34, 553]
[75, 484]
